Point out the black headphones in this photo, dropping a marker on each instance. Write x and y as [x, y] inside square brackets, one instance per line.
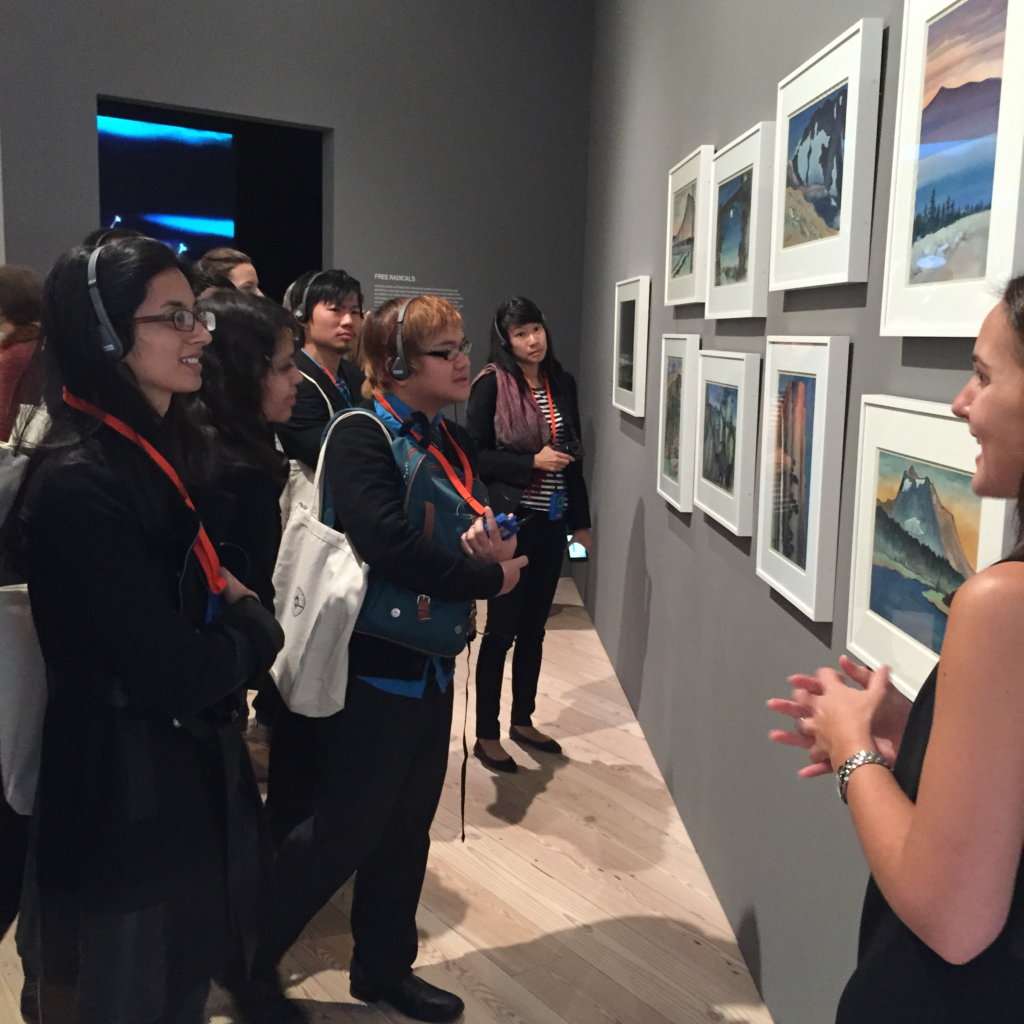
[399, 368]
[108, 338]
[505, 343]
[300, 312]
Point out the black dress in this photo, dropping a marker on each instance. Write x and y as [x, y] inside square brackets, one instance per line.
[899, 979]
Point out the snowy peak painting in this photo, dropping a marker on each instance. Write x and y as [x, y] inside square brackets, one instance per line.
[684, 208]
[927, 521]
[957, 142]
[814, 170]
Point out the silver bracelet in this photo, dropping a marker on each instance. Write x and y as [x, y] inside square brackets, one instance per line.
[847, 768]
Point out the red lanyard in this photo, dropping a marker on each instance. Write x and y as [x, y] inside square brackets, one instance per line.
[464, 489]
[551, 409]
[202, 546]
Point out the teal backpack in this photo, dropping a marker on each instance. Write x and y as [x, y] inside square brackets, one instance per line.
[437, 510]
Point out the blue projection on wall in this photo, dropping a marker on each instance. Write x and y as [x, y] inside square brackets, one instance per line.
[174, 183]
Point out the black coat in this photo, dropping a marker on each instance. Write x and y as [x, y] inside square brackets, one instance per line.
[145, 791]
[317, 399]
[513, 471]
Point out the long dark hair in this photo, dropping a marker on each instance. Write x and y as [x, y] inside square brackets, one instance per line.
[514, 312]
[235, 366]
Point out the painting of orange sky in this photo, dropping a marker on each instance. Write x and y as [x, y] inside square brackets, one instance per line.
[966, 44]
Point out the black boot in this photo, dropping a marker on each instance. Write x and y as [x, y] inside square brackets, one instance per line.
[30, 1000]
[412, 996]
[261, 1000]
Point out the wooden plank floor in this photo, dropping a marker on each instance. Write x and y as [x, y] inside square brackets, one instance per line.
[577, 897]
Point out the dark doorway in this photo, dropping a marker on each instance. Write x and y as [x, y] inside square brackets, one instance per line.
[260, 191]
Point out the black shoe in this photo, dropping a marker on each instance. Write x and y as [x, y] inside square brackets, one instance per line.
[415, 998]
[507, 764]
[261, 1000]
[548, 746]
[30, 1000]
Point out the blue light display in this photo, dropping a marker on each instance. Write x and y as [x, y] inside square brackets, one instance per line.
[193, 225]
[146, 130]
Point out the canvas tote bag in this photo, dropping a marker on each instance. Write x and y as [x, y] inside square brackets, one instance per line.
[299, 487]
[320, 582]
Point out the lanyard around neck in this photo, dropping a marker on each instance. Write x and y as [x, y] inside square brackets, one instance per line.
[551, 409]
[465, 489]
[203, 547]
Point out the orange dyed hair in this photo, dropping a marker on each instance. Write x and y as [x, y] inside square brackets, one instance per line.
[426, 317]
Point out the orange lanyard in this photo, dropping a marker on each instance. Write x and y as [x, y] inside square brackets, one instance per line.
[465, 489]
[551, 409]
[203, 547]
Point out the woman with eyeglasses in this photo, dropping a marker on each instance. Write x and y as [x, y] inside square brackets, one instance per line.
[142, 882]
[405, 489]
[524, 417]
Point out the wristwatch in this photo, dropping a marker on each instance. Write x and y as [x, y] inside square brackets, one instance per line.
[848, 766]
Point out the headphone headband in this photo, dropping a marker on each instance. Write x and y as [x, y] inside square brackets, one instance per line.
[399, 368]
[109, 339]
[300, 311]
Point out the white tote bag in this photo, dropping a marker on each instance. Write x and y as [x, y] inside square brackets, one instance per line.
[22, 699]
[299, 487]
[320, 583]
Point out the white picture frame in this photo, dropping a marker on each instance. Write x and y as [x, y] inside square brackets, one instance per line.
[803, 411]
[821, 229]
[943, 271]
[629, 368]
[727, 405]
[892, 622]
[677, 422]
[690, 181]
[740, 202]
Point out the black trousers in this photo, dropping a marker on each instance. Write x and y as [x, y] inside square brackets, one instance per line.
[379, 768]
[14, 829]
[519, 617]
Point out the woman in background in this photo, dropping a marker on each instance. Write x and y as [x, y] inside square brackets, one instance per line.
[21, 299]
[524, 418]
[942, 931]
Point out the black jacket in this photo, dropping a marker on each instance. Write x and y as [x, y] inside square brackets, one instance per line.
[367, 489]
[513, 471]
[145, 790]
[316, 401]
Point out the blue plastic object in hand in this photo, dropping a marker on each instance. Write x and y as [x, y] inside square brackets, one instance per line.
[508, 525]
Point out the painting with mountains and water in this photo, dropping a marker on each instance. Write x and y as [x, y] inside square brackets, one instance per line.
[814, 170]
[956, 155]
[684, 210]
[927, 521]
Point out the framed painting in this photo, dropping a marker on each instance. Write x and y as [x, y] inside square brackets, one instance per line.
[954, 233]
[740, 215]
[727, 385]
[919, 532]
[686, 247]
[629, 373]
[827, 120]
[803, 412]
[678, 425]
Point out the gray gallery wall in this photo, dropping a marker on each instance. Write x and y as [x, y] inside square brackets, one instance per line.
[457, 131]
[698, 640]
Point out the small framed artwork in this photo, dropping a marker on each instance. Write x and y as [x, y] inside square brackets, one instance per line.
[632, 312]
[827, 121]
[919, 533]
[954, 232]
[726, 456]
[802, 419]
[741, 212]
[686, 254]
[678, 430]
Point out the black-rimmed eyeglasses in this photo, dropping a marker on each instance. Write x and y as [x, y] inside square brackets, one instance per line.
[453, 353]
[183, 319]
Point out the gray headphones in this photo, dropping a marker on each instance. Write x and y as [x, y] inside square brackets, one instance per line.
[399, 368]
[505, 343]
[300, 312]
[108, 338]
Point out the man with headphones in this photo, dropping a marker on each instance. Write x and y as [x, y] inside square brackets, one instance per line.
[329, 306]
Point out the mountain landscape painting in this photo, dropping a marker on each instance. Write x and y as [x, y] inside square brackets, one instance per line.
[732, 239]
[957, 146]
[673, 412]
[927, 521]
[814, 170]
[791, 487]
[684, 205]
[721, 404]
[627, 340]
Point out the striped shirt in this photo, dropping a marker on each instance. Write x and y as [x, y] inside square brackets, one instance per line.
[544, 484]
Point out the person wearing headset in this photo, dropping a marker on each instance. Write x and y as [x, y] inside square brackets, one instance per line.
[524, 418]
[145, 856]
[329, 306]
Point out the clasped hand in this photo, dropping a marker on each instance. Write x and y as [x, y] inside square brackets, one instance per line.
[833, 721]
